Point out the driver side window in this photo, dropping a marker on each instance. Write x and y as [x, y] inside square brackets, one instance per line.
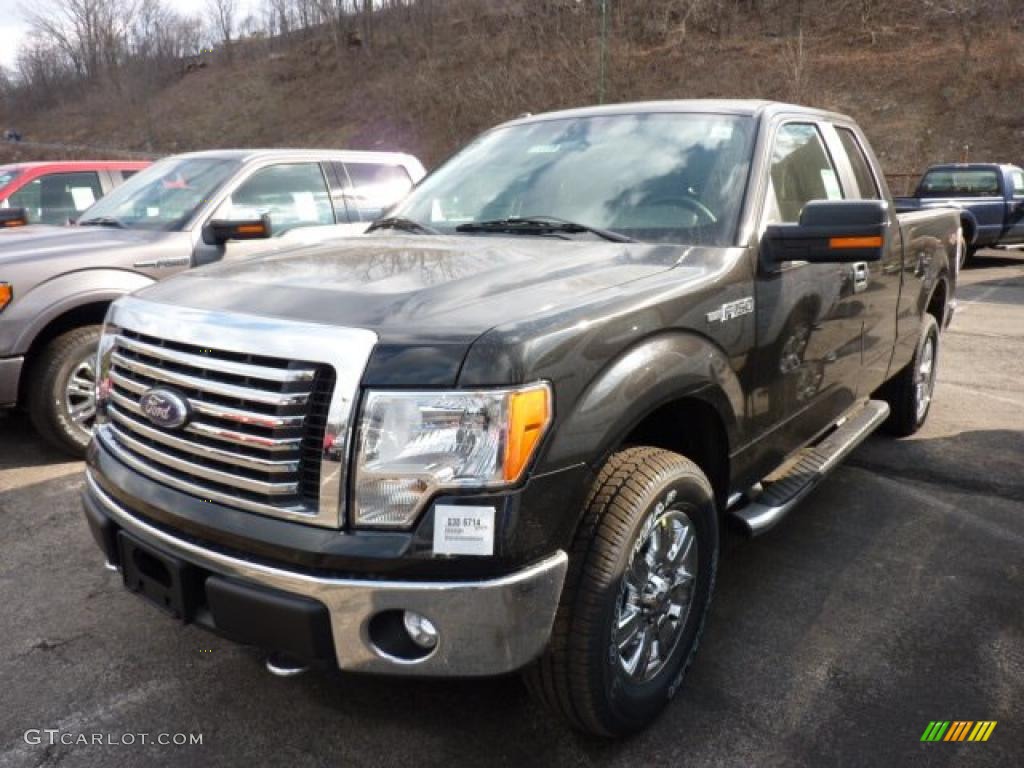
[295, 195]
[801, 171]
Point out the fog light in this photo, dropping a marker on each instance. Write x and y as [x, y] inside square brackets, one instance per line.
[420, 629]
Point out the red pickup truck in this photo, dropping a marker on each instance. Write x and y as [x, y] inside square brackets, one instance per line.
[52, 193]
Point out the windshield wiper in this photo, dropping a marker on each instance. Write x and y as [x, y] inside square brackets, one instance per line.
[539, 225]
[102, 221]
[402, 224]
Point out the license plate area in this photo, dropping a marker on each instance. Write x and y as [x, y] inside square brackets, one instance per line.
[172, 585]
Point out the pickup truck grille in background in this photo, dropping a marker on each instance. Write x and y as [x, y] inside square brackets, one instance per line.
[255, 437]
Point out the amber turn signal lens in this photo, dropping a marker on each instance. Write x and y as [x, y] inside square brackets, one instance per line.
[839, 243]
[529, 414]
[6, 294]
[15, 223]
[250, 229]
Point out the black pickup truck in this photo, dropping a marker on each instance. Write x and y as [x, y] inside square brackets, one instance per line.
[502, 431]
[989, 197]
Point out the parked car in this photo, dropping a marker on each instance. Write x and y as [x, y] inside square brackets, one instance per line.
[990, 199]
[502, 430]
[60, 281]
[54, 193]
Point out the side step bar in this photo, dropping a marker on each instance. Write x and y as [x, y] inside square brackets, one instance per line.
[781, 491]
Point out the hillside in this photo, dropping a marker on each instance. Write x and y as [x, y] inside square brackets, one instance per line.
[913, 90]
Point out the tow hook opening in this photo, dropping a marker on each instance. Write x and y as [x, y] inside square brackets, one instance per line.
[403, 636]
[282, 665]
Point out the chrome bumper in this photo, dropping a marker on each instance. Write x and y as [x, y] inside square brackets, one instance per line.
[486, 627]
[10, 374]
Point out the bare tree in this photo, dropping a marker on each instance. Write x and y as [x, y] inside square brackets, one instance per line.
[222, 15]
[966, 14]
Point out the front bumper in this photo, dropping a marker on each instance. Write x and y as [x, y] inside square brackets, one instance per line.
[10, 375]
[485, 627]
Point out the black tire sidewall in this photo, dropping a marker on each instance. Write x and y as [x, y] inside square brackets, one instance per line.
[49, 411]
[632, 704]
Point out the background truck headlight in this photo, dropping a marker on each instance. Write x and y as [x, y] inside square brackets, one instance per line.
[412, 444]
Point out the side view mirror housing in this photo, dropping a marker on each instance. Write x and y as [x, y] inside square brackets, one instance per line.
[830, 232]
[219, 231]
[13, 217]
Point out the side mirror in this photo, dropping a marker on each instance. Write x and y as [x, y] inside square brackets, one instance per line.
[218, 232]
[13, 217]
[830, 232]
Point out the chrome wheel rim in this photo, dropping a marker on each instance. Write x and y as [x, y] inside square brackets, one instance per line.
[80, 395]
[657, 592]
[925, 380]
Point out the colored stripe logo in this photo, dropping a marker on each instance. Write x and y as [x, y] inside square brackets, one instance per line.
[958, 730]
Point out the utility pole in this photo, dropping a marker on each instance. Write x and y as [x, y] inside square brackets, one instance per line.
[603, 66]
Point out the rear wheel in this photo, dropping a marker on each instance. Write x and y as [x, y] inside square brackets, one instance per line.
[640, 580]
[61, 396]
[909, 393]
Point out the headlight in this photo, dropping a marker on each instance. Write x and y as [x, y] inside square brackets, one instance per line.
[6, 294]
[106, 348]
[412, 444]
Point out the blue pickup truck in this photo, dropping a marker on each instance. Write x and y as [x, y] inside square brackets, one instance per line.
[990, 198]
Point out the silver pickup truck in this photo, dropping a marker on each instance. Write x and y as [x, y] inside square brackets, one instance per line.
[56, 283]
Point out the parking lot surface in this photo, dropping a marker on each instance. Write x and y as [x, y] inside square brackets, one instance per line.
[892, 597]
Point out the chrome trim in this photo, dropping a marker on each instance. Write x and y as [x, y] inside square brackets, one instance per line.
[276, 399]
[217, 433]
[198, 470]
[486, 627]
[290, 512]
[346, 350]
[758, 516]
[204, 451]
[250, 370]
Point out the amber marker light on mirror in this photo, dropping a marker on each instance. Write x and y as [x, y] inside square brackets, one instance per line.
[6, 294]
[529, 414]
[841, 243]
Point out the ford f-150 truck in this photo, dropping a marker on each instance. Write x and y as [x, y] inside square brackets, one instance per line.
[57, 282]
[989, 197]
[502, 430]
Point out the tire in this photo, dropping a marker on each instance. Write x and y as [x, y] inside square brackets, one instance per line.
[968, 258]
[583, 675]
[62, 410]
[907, 413]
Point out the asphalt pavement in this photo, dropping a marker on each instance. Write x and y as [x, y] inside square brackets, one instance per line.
[892, 597]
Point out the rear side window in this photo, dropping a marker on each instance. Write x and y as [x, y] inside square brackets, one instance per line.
[801, 172]
[956, 183]
[1017, 179]
[55, 198]
[373, 188]
[866, 185]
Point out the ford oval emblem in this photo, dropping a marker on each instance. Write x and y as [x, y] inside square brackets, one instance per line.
[165, 408]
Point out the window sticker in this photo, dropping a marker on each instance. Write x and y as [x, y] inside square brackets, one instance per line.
[463, 530]
[83, 197]
[832, 190]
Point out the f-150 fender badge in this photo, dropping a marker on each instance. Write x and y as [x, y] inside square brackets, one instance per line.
[731, 310]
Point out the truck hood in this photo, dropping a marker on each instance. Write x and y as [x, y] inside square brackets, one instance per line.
[37, 242]
[410, 288]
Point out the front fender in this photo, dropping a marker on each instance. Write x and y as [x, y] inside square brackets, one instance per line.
[648, 375]
[28, 315]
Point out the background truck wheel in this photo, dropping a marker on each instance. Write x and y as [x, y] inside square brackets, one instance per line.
[640, 579]
[909, 394]
[61, 398]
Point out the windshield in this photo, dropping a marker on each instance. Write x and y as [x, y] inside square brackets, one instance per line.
[164, 196]
[6, 177]
[667, 177]
[982, 182]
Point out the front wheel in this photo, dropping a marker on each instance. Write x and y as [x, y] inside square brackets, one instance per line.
[61, 395]
[640, 580]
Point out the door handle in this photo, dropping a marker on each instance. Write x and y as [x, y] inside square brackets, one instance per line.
[860, 276]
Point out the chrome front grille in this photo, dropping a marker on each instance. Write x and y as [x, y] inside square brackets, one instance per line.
[244, 446]
[268, 433]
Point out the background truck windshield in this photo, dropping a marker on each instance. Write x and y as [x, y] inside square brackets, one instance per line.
[6, 177]
[981, 182]
[164, 196]
[661, 177]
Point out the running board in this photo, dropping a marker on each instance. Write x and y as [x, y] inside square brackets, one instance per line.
[781, 491]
